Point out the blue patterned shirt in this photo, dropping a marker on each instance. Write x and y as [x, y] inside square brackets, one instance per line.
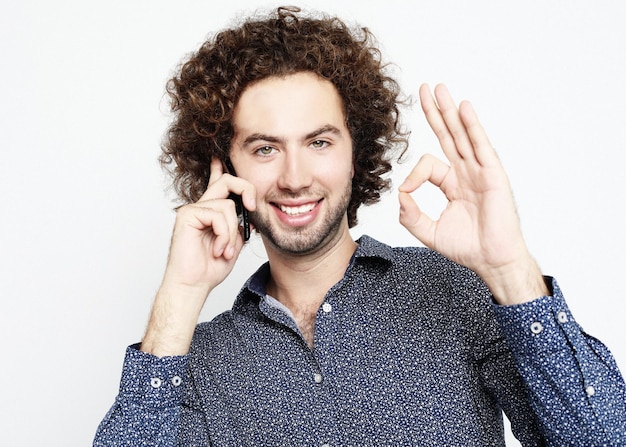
[409, 350]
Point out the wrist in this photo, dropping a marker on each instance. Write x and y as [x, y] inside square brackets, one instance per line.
[516, 283]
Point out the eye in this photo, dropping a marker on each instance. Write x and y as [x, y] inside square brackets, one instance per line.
[265, 150]
[319, 144]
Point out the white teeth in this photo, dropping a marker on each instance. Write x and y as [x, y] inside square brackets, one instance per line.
[293, 210]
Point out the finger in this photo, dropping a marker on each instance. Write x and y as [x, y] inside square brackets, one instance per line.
[453, 122]
[444, 119]
[437, 123]
[419, 224]
[222, 185]
[428, 169]
[415, 221]
[485, 154]
[216, 170]
[232, 230]
[216, 219]
[222, 230]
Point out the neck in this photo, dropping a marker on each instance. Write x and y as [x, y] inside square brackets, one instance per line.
[301, 282]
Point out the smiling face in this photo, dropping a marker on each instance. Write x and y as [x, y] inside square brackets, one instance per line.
[292, 143]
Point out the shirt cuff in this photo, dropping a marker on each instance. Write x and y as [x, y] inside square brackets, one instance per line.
[152, 381]
[542, 326]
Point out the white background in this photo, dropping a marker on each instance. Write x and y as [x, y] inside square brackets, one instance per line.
[85, 220]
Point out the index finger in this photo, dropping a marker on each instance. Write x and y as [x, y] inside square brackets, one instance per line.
[221, 185]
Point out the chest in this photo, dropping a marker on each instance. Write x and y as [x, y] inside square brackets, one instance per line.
[371, 376]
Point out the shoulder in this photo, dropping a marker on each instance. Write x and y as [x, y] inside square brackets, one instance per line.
[416, 262]
[416, 276]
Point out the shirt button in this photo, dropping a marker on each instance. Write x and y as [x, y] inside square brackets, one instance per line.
[536, 328]
[155, 382]
[562, 317]
[590, 391]
[176, 381]
[327, 307]
[317, 378]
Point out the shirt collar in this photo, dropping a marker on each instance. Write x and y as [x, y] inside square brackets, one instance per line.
[368, 248]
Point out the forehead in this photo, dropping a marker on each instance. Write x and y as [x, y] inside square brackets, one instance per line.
[287, 105]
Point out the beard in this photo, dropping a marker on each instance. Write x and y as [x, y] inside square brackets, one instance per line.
[308, 238]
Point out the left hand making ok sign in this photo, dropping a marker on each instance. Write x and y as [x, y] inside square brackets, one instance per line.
[480, 227]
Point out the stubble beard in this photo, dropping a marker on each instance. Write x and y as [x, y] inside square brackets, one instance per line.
[306, 239]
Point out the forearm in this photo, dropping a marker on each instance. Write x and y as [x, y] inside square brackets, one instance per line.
[173, 319]
[565, 369]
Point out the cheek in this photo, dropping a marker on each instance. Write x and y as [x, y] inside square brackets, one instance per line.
[344, 166]
[263, 182]
[339, 175]
[262, 185]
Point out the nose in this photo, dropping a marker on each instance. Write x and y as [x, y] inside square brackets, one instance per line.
[296, 170]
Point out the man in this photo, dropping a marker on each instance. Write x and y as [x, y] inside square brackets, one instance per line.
[334, 341]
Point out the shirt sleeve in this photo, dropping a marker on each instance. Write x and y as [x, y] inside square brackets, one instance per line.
[572, 380]
[147, 410]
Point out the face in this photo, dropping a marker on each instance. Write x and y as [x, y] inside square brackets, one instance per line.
[292, 143]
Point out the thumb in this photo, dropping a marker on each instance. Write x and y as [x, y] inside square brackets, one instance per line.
[413, 219]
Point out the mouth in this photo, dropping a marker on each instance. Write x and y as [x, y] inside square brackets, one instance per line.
[297, 214]
[296, 210]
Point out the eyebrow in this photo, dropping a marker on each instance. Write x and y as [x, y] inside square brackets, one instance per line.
[328, 128]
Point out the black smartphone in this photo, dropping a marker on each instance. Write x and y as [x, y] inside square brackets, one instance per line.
[242, 212]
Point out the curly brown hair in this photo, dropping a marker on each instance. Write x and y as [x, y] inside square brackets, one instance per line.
[209, 83]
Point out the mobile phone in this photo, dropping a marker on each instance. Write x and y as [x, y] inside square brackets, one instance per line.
[242, 212]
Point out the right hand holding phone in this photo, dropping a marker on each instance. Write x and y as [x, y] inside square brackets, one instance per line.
[207, 239]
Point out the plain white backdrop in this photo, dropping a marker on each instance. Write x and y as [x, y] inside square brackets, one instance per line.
[85, 218]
